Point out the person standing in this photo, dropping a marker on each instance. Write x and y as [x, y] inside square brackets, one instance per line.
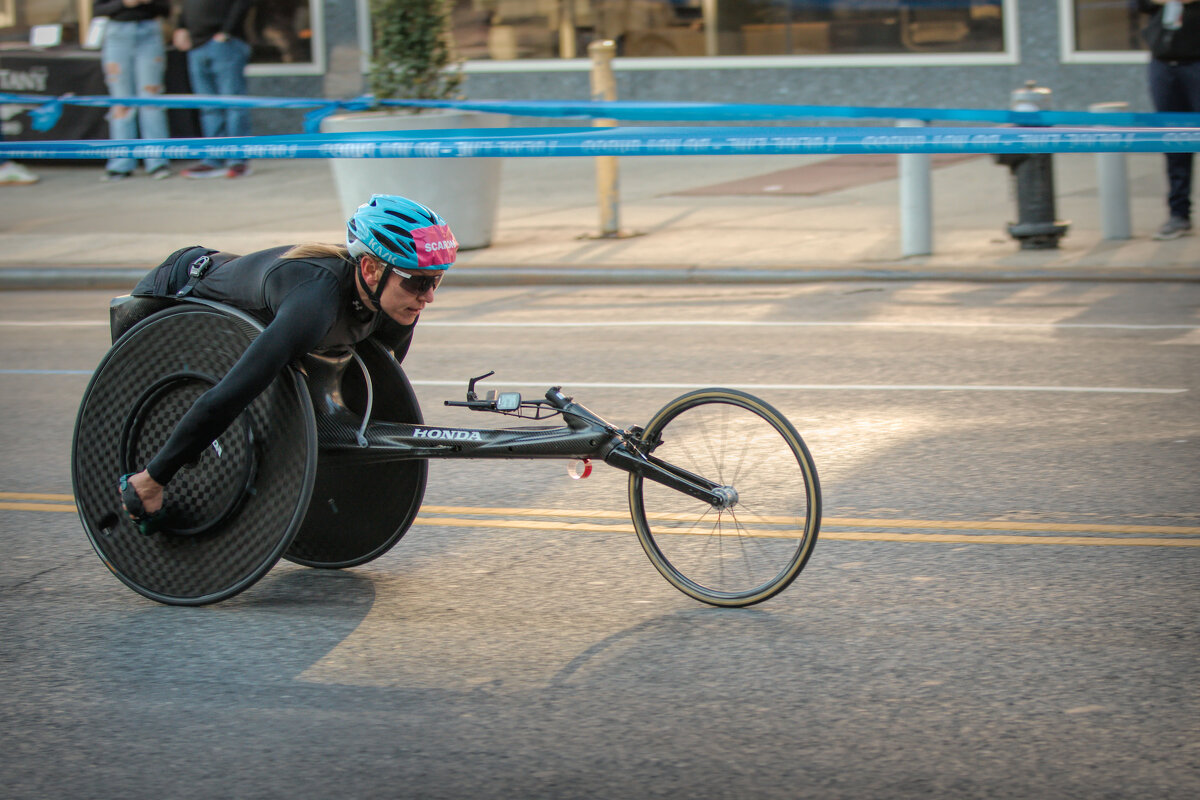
[1173, 36]
[211, 33]
[134, 66]
[13, 174]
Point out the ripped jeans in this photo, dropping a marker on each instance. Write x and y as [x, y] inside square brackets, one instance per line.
[135, 66]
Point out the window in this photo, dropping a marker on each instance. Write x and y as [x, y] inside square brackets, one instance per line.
[504, 30]
[18, 16]
[1106, 25]
[279, 31]
[1101, 31]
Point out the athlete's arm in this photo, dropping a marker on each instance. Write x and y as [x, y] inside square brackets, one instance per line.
[301, 321]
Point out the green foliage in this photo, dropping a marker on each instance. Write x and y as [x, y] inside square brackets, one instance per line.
[412, 54]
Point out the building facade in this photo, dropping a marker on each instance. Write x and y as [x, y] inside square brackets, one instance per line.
[935, 53]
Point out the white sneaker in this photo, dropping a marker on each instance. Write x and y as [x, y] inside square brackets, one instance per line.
[13, 173]
[1173, 229]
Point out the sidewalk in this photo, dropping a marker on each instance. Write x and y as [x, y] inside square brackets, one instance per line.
[722, 219]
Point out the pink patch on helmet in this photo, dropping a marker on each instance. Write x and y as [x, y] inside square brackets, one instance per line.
[435, 245]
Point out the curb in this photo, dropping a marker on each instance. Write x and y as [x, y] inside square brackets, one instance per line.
[14, 279]
[78, 278]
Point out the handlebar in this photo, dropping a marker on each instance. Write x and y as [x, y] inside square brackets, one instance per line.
[555, 400]
[555, 403]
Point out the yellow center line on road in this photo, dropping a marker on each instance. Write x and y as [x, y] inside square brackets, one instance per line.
[848, 536]
[35, 501]
[836, 522]
[564, 520]
[998, 525]
[35, 507]
[65, 498]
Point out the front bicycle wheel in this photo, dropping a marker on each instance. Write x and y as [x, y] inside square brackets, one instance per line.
[753, 547]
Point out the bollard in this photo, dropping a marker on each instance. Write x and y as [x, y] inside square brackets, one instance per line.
[1113, 180]
[1037, 227]
[916, 204]
[566, 29]
[604, 87]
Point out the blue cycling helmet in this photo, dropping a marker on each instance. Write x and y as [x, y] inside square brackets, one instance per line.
[401, 233]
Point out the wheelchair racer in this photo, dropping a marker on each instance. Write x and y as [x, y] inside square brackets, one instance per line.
[310, 297]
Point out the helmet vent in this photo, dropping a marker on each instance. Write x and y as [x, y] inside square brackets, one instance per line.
[405, 217]
[392, 244]
[387, 226]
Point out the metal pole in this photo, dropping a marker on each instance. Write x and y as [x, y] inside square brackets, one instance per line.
[566, 29]
[1113, 179]
[604, 87]
[916, 204]
[712, 42]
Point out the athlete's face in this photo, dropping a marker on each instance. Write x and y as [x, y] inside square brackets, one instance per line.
[402, 305]
[399, 302]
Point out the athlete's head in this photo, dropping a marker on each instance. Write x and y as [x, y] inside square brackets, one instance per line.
[403, 237]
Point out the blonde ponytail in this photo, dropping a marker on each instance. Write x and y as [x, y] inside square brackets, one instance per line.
[319, 250]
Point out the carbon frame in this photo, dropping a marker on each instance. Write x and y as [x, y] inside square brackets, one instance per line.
[343, 437]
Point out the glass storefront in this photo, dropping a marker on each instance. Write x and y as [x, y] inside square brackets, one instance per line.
[19, 17]
[1106, 25]
[503, 30]
[280, 31]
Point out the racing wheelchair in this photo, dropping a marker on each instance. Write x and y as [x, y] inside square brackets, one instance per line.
[327, 467]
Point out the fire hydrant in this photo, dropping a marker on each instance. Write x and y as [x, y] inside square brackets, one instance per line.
[1036, 227]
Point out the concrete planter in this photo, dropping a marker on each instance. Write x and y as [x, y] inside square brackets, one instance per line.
[466, 191]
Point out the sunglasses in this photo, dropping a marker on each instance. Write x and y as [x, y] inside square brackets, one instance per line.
[418, 284]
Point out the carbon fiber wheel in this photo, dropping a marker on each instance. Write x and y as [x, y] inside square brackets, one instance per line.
[237, 508]
[207, 492]
[359, 511]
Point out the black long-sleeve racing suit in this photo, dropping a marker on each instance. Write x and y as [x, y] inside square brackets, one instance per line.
[307, 304]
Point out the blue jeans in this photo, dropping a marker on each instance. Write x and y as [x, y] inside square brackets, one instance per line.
[1175, 86]
[220, 68]
[134, 66]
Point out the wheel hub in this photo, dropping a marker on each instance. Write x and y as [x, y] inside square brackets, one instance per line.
[207, 492]
[728, 497]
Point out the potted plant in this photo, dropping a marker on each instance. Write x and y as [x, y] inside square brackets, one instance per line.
[412, 58]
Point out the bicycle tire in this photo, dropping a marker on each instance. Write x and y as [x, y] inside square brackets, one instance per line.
[754, 549]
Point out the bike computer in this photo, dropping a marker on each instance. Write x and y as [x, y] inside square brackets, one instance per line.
[508, 401]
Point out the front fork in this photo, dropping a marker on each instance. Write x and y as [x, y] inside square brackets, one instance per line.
[631, 453]
[647, 466]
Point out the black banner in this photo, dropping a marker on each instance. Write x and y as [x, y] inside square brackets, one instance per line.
[53, 73]
[58, 72]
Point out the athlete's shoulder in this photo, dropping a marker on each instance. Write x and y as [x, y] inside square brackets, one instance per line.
[333, 265]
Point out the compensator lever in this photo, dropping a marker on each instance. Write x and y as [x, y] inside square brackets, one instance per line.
[471, 385]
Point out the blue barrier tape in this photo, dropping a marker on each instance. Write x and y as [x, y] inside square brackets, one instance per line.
[636, 111]
[313, 119]
[48, 110]
[568, 142]
[46, 116]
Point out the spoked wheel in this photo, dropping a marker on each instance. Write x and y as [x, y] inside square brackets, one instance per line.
[753, 547]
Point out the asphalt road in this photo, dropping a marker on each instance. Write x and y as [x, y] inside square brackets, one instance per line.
[1003, 601]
